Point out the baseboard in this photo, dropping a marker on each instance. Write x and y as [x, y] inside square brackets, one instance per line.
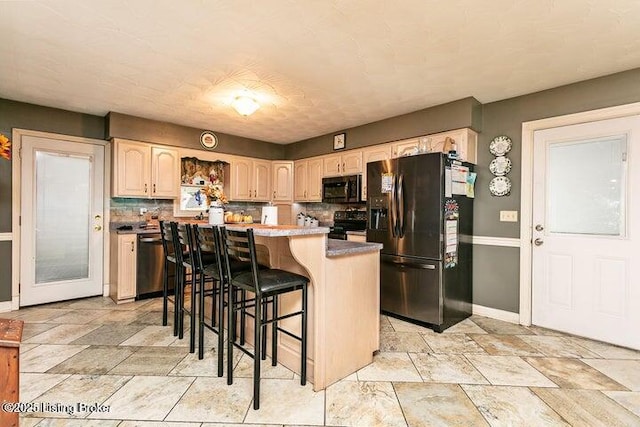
[15, 303]
[509, 242]
[6, 237]
[494, 313]
[105, 290]
[5, 306]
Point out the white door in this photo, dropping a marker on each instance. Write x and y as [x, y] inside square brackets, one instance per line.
[586, 221]
[61, 252]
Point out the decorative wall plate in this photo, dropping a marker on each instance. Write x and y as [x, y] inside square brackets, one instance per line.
[500, 145]
[500, 166]
[500, 186]
[208, 140]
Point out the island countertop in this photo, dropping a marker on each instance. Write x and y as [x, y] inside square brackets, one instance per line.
[278, 230]
[336, 247]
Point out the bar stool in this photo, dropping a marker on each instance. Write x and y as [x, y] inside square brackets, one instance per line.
[267, 285]
[183, 268]
[168, 271]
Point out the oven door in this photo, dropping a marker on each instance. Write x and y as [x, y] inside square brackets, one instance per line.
[342, 189]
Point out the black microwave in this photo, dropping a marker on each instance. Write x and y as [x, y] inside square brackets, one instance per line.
[342, 189]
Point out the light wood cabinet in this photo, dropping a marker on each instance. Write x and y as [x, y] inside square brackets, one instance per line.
[145, 171]
[250, 180]
[347, 163]
[282, 181]
[308, 180]
[466, 141]
[373, 154]
[123, 252]
[356, 238]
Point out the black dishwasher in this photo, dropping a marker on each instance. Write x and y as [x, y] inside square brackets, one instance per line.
[150, 264]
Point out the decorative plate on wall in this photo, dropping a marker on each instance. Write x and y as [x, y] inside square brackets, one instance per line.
[500, 186]
[500, 145]
[208, 140]
[500, 166]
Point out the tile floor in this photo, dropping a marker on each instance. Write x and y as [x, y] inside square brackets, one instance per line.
[479, 372]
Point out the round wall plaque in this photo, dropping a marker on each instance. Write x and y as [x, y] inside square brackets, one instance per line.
[208, 140]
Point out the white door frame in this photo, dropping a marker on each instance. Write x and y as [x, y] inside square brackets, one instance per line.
[16, 201]
[526, 187]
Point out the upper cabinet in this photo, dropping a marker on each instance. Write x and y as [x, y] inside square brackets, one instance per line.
[250, 180]
[282, 181]
[347, 163]
[373, 154]
[308, 180]
[465, 140]
[145, 170]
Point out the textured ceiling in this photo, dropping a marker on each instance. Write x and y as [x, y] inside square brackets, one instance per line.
[316, 66]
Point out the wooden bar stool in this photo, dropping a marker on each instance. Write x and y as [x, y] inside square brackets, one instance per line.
[267, 285]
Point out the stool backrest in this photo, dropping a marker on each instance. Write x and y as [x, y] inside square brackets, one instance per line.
[205, 240]
[167, 239]
[239, 247]
[180, 241]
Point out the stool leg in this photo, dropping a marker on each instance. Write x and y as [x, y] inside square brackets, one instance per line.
[201, 319]
[257, 345]
[165, 292]
[243, 315]
[180, 307]
[176, 301]
[192, 318]
[264, 328]
[274, 332]
[221, 330]
[303, 352]
[214, 301]
[232, 331]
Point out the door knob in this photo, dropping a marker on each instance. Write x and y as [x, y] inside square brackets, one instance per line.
[538, 242]
[539, 227]
[97, 217]
[97, 227]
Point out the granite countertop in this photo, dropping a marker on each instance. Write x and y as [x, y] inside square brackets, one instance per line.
[357, 233]
[337, 247]
[278, 230]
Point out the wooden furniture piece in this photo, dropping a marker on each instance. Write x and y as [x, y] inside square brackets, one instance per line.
[267, 286]
[122, 271]
[343, 299]
[10, 337]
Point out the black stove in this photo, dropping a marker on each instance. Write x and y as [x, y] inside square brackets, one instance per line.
[344, 221]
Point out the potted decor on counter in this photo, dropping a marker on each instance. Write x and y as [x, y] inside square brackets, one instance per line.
[216, 199]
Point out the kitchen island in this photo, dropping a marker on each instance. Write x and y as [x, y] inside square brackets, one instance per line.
[343, 298]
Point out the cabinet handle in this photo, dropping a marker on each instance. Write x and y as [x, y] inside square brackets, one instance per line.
[305, 193]
[274, 194]
[145, 188]
[343, 167]
[132, 247]
[154, 189]
[255, 193]
[338, 166]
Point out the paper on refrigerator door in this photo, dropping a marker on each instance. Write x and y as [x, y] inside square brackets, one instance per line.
[447, 182]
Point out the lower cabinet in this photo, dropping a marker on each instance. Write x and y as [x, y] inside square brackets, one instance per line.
[356, 238]
[123, 251]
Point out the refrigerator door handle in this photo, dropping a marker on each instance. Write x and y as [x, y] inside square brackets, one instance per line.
[393, 207]
[401, 206]
[410, 264]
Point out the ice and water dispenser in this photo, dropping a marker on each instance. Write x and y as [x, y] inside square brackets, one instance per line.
[378, 212]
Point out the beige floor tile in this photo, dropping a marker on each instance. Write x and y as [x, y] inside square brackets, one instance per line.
[390, 367]
[119, 317]
[494, 326]
[453, 344]
[32, 329]
[153, 336]
[33, 385]
[237, 425]
[554, 346]
[351, 403]
[37, 314]
[61, 334]
[79, 316]
[587, 407]
[147, 398]
[385, 324]
[403, 342]
[127, 423]
[403, 326]
[607, 351]
[65, 422]
[80, 392]
[465, 326]
[112, 334]
[151, 361]
[190, 365]
[538, 330]
[287, 402]
[155, 318]
[244, 369]
[626, 372]
[93, 360]
[509, 370]
[46, 356]
[512, 406]
[437, 405]
[28, 421]
[573, 373]
[628, 399]
[446, 368]
[26, 347]
[212, 400]
[505, 345]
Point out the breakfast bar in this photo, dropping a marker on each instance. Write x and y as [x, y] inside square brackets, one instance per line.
[343, 299]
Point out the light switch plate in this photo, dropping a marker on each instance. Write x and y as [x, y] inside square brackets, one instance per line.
[508, 216]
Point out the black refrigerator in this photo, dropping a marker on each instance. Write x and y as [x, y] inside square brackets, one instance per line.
[418, 209]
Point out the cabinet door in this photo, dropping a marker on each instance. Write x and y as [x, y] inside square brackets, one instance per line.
[127, 252]
[241, 179]
[131, 164]
[261, 180]
[332, 165]
[373, 154]
[405, 148]
[352, 162]
[165, 172]
[314, 180]
[300, 178]
[282, 181]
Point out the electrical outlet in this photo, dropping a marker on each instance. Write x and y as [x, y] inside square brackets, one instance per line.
[508, 216]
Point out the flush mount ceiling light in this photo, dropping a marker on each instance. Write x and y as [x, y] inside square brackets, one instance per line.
[245, 105]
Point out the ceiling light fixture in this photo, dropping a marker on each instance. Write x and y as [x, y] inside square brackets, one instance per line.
[245, 105]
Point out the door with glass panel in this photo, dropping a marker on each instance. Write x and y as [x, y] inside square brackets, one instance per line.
[62, 199]
[586, 219]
